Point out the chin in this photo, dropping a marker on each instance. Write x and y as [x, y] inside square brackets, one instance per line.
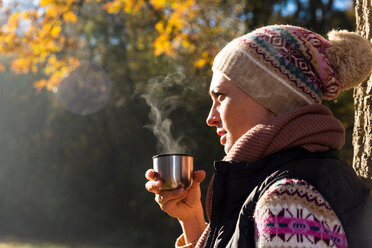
[227, 149]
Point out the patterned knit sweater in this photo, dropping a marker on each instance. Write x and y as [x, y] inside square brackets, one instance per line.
[292, 213]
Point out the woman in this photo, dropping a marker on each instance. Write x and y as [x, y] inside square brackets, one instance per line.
[281, 183]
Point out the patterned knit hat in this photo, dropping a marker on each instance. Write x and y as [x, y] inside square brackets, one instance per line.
[285, 67]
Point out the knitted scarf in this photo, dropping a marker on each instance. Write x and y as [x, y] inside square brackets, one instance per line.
[311, 127]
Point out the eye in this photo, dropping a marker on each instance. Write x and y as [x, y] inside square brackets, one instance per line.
[217, 96]
[220, 97]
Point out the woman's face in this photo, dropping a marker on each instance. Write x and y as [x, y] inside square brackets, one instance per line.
[233, 112]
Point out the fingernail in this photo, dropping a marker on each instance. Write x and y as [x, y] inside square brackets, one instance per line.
[158, 184]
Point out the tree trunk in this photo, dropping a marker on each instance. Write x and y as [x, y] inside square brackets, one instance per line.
[362, 135]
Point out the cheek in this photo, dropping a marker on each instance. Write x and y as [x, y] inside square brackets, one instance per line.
[225, 114]
[232, 119]
[240, 121]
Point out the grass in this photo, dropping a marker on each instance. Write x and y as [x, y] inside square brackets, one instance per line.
[25, 245]
[16, 244]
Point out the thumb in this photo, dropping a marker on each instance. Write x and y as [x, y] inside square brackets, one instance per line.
[199, 176]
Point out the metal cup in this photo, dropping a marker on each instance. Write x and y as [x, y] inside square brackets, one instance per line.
[175, 170]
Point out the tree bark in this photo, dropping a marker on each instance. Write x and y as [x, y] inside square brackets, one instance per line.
[362, 134]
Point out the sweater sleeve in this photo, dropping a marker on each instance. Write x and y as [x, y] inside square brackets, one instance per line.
[291, 213]
[181, 243]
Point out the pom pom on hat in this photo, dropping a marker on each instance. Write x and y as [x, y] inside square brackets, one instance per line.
[350, 55]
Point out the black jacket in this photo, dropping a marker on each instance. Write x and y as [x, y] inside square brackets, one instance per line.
[237, 187]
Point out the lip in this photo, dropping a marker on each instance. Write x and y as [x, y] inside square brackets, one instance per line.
[222, 135]
[221, 132]
[223, 139]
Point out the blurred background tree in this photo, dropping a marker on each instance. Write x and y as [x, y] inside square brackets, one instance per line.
[362, 160]
[78, 177]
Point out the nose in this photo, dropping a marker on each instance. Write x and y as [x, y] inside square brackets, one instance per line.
[213, 117]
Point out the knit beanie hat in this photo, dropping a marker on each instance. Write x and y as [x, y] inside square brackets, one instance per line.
[285, 67]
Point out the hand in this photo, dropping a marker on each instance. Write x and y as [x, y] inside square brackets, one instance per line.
[181, 203]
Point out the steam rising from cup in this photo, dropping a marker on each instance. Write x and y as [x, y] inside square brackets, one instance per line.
[161, 105]
[86, 90]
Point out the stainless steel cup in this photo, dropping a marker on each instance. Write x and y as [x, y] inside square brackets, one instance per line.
[175, 170]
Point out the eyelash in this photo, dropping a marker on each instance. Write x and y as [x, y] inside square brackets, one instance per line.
[219, 96]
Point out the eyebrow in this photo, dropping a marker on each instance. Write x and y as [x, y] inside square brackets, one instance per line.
[219, 88]
[213, 92]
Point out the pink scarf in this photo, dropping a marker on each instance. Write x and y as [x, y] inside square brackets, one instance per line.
[312, 127]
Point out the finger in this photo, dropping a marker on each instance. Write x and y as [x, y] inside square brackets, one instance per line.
[199, 176]
[164, 197]
[153, 186]
[159, 199]
[152, 175]
[170, 204]
[173, 194]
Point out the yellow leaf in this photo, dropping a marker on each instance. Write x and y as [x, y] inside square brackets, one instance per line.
[40, 84]
[51, 13]
[70, 17]
[43, 55]
[114, 6]
[160, 26]
[13, 21]
[9, 38]
[52, 59]
[158, 4]
[21, 65]
[186, 43]
[45, 2]
[56, 30]
[200, 63]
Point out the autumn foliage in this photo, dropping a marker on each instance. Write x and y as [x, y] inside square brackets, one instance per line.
[44, 38]
[34, 40]
[38, 40]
